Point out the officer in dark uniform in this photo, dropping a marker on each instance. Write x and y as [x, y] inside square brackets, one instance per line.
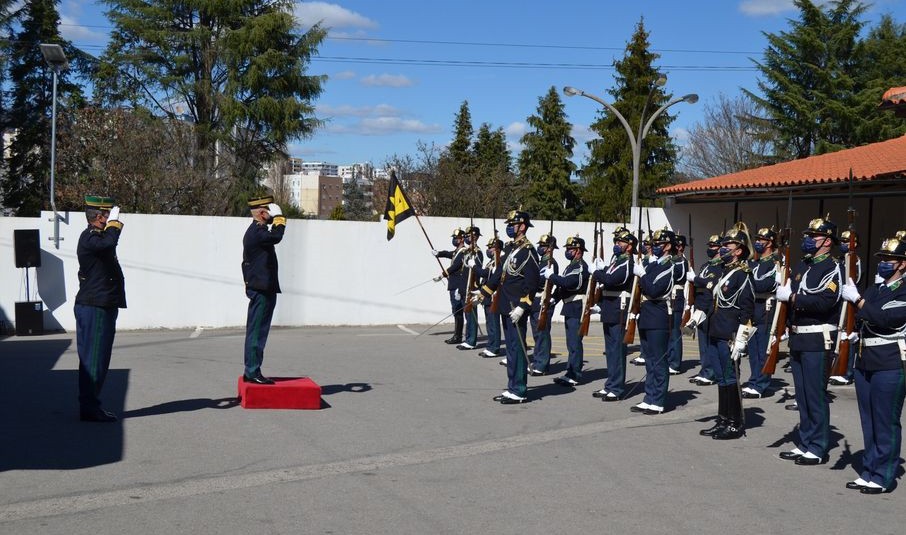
[517, 280]
[813, 294]
[838, 380]
[616, 281]
[675, 341]
[656, 283]
[764, 282]
[101, 294]
[473, 260]
[456, 275]
[645, 249]
[571, 288]
[729, 330]
[259, 270]
[703, 307]
[491, 315]
[541, 353]
[881, 368]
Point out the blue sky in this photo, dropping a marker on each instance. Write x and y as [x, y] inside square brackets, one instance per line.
[399, 69]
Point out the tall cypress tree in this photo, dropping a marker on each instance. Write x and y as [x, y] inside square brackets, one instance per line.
[545, 165]
[493, 172]
[25, 185]
[460, 150]
[607, 174]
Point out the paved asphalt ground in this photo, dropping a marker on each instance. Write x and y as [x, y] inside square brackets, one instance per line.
[407, 441]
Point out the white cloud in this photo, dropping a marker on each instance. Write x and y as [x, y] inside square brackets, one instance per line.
[765, 7]
[516, 130]
[680, 135]
[71, 28]
[583, 134]
[343, 75]
[380, 110]
[387, 80]
[378, 126]
[331, 16]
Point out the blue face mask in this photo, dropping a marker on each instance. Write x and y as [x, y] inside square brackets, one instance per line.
[887, 269]
[455, 242]
[570, 254]
[617, 250]
[489, 253]
[657, 250]
[844, 248]
[542, 250]
[511, 231]
[726, 254]
[809, 245]
[468, 241]
[759, 247]
[711, 253]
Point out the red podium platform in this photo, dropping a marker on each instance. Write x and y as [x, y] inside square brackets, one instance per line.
[287, 393]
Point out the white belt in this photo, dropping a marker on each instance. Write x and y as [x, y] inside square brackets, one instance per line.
[878, 341]
[572, 298]
[613, 293]
[764, 296]
[812, 329]
[679, 287]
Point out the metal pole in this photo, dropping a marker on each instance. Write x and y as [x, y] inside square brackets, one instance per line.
[53, 161]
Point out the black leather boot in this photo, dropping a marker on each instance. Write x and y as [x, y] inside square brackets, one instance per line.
[457, 330]
[718, 427]
[735, 427]
[722, 414]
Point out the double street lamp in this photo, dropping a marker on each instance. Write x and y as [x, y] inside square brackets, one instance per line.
[56, 59]
[635, 138]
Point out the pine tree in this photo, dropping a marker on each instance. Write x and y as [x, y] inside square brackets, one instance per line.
[607, 174]
[25, 185]
[494, 176]
[460, 150]
[808, 83]
[354, 206]
[880, 56]
[545, 165]
[454, 191]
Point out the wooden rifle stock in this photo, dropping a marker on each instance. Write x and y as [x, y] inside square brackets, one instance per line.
[470, 283]
[778, 323]
[841, 365]
[690, 286]
[599, 288]
[546, 296]
[495, 298]
[590, 293]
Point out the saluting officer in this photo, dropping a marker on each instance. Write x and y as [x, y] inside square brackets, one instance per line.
[473, 260]
[541, 353]
[616, 281]
[880, 373]
[259, 271]
[101, 294]
[706, 280]
[571, 287]
[840, 380]
[491, 315]
[516, 278]
[814, 297]
[456, 275]
[656, 283]
[675, 341]
[764, 282]
[729, 329]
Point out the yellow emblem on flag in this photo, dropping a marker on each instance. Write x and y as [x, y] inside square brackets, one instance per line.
[398, 206]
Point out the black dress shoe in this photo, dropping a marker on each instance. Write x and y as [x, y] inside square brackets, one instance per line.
[729, 433]
[808, 461]
[510, 401]
[789, 455]
[653, 412]
[872, 490]
[257, 379]
[535, 373]
[599, 393]
[718, 426]
[611, 397]
[852, 485]
[750, 395]
[792, 407]
[453, 340]
[500, 397]
[97, 415]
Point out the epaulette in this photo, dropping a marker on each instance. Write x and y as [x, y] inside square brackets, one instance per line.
[742, 266]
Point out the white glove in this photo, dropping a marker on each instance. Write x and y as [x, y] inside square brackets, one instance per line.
[546, 271]
[878, 279]
[852, 337]
[437, 278]
[850, 292]
[690, 276]
[456, 294]
[784, 292]
[595, 309]
[274, 210]
[600, 264]
[516, 314]
[114, 214]
[741, 344]
[638, 270]
[434, 252]
[470, 263]
[696, 317]
[778, 276]
[772, 341]
[476, 296]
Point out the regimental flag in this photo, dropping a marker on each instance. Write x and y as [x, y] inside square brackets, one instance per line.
[398, 206]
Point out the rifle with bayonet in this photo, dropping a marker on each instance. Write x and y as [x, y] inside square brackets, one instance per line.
[841, 365]
[589, 294]
[545, 302]
[778, 323]
[495, 298]
[690, 286]
[599, 253]
[635, 298]
[470, 253]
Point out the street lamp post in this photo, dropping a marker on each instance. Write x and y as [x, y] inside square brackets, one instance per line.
[635, 139]
[56, 59]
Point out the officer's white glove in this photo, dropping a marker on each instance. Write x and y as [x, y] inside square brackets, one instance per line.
[778, 276]
[878, 279]
[784, 292]
[456, 294]
[546, 271]
[696, 317]
[600, 264]
[516, 314]
[274, 210]
[114, 214]
[434, 252]
[595, 309]
[850, 292]
[476, 296]
[690, 276]
[740, 345]
[853, 337]
[470, 263]
[437, 278]
[638, 270]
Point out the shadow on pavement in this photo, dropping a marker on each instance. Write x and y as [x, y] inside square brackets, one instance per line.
[183, 405]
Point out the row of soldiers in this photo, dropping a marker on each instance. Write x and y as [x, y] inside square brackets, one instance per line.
[731, 304]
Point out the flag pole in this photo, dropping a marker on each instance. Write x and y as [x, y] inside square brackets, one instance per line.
[442, 268]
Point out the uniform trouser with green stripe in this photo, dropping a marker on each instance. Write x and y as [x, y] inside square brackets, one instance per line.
[257, 327]
[95, 329]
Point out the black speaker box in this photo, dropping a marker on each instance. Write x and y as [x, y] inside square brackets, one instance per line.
[26, 243]
[29, 318]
